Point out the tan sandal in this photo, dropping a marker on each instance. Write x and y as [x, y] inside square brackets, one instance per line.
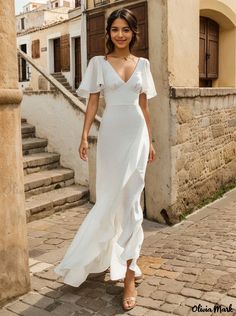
[130, 299]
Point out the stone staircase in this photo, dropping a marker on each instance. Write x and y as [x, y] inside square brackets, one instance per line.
[62, 79]
[48, 186]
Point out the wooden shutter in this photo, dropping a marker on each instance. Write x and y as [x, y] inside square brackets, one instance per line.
[35, 47]
[212, 49]
[141, 12]
[96, 34]
[66, 4]
[208, 49]
[203, 48]
[65, 52]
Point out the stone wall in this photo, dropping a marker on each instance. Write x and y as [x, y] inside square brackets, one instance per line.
[203, 144]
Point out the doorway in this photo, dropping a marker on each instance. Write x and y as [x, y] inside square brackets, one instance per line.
[23, 65]
[57, 54]
[77, 62]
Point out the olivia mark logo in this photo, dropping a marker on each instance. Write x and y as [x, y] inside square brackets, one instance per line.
[215, 309]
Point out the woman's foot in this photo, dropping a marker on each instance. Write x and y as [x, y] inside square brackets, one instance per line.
[130, 292]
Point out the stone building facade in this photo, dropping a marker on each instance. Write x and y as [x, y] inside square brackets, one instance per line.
[191, 48]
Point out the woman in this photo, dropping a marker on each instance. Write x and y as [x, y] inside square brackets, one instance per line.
[111, 234]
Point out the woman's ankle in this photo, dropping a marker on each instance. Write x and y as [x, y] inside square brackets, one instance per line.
[129, 278]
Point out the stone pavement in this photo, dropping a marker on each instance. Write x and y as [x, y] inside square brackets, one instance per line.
[189, 265]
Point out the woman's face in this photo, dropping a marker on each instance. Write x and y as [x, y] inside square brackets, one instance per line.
[121, 33]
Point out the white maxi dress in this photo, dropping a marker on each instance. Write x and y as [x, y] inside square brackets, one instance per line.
[112, 232]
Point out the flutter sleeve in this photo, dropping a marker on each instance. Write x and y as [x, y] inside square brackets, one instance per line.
[148, 85]
[92, 80]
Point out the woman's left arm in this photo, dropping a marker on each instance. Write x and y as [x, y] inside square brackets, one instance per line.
[143, 102]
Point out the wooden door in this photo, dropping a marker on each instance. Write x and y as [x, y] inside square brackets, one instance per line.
[77, 62]
[141, 12]
[57, 55]
[96, 34]
[65, 52]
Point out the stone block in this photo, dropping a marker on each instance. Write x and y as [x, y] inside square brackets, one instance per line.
[191, 292]
[183, 133]
[175, 298]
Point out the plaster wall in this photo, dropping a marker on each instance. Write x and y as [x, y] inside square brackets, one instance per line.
[61, 123]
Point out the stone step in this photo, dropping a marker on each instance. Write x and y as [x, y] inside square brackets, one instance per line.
[27, 130]
[62, 80]
[40, 161]
[65, 84]
[58, 76]
[32, 145]
[45, 204]
[47, 180]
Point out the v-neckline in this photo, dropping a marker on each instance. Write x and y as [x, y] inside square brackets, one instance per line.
[135, 68]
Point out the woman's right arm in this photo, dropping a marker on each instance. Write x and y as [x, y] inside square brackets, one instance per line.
[90, 114]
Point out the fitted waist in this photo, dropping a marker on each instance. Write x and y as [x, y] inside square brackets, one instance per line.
[123, 104]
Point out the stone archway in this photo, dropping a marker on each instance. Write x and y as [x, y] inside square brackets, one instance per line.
[14, 272]
[226, 18]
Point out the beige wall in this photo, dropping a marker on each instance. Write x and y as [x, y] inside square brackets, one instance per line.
[183, 42]
[63, 128]
[35, 19]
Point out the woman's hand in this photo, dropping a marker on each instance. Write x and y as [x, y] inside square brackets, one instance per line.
[152, 153]
[83, 149]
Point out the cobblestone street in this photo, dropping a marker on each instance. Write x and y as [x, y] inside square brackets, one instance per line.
[186, 265]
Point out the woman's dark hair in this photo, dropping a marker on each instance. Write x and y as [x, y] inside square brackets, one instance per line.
[130, 18]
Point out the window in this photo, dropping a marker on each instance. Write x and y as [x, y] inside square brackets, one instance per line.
[22, 23]
[23, 66]
[208, 51]
[100, 2]
[56, 4]
[77, 3]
